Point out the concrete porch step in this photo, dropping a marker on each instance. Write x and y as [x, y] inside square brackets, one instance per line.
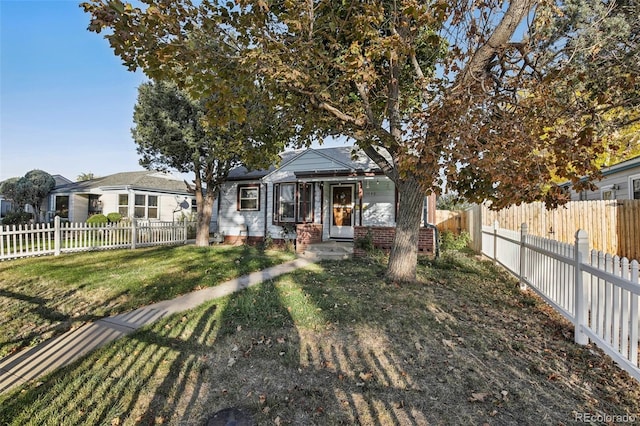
[328, 250]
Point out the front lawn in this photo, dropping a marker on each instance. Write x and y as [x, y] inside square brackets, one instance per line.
[334, 344]
[42, 297]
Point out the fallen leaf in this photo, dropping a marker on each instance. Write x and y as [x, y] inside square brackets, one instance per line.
[478, 397]
[231, 361]
[366, 376]
[277, 421]
[262, 398]
[418, 346]
[448, 343]
[280, 340]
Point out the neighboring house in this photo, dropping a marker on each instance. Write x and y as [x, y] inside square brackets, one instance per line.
[620, 181]
[320, 194]
[6, 206]
[143, 195]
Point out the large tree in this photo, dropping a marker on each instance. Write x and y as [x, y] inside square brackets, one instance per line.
[32, 189]
[171, 133]
[462, 86]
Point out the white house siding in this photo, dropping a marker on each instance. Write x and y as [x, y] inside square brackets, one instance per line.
[310, 161]
[78, 208]
[619, 180]
[378, 202]
[232, 221]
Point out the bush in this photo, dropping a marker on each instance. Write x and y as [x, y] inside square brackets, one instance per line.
[98, 219]
[451, 241]
[17, 218]
[114, 217]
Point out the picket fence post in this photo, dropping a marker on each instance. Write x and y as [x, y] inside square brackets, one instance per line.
[56, 236]
[581, 254]
[524, 229]
[185, 232]
[496, 225]
[134, 233]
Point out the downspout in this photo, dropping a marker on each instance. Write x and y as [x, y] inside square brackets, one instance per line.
[266, 202]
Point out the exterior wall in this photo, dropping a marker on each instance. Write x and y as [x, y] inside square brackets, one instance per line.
[237, 223]
[378, 202]
[382, 238]
[78, 208]
[170, 207]
[621, 180]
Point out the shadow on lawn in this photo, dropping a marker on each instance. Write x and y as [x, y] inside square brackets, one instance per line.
[333, 344]
[73, 281]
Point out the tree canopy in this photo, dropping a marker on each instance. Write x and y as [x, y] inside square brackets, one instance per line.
[32, 189]
[480, 91]
[172, 133]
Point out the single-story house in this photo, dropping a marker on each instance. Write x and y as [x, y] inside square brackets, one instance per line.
[620, 181]
[143, 195]
[314, 195]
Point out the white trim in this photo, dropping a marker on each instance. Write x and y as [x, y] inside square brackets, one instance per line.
[631, 179]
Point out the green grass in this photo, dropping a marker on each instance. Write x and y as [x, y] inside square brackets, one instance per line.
[334, 344]
[42, 297]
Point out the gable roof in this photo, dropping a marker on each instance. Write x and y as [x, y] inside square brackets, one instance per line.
[144, 180]
[345, 158]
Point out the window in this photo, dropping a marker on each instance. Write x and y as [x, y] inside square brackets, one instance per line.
[293, 202]
[146, 206]
[194, 205]
[62, 206]
[248, 197]
[305, 202]
[123, 205]
[285, 202]
[95, 205]
[634, 187]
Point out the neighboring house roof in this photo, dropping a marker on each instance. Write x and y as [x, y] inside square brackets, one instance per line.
[622, 166]
[345, 158]
[142, 181]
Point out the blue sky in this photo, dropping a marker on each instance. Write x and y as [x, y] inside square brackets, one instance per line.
[66, 101]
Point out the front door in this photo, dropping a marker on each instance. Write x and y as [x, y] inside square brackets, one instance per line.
[342, 216]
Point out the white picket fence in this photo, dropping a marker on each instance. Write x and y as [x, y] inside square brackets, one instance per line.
[63, 237]
[597, 292]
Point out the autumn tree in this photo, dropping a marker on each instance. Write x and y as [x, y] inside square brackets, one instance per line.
[463, 87]
[171, 134]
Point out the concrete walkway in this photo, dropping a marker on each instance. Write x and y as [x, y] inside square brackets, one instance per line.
[30, 364]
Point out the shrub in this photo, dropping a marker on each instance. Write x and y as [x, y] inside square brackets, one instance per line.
[98, 219]
[451, 241]
[17, 218]
[114, 217]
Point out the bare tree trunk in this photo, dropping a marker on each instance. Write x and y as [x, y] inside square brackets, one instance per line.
[204, 219]
[404, 253]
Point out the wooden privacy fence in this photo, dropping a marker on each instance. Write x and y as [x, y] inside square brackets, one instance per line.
[53, 239]
[597, 292]
[613, 226]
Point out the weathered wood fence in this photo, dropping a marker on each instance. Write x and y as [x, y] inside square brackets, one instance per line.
[599, 293]
[63, 237]
[613, 226]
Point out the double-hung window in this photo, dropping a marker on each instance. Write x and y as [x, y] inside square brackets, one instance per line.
[249, 197]
[123, 205]
[146, 206]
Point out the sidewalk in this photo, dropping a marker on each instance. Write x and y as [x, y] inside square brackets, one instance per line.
[30, 364]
